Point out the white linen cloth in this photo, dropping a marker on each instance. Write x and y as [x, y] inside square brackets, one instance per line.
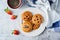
[44, 4]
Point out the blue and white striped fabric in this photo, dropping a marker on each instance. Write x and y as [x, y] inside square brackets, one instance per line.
[55, 20]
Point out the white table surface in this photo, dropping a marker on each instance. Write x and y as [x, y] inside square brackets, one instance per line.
[7, 25]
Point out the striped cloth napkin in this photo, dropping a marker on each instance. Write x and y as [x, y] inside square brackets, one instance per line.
[54, 17]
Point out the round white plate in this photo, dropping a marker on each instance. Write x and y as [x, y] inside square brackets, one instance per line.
[42, 26]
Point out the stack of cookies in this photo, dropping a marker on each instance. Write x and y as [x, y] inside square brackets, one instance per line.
[30, 21]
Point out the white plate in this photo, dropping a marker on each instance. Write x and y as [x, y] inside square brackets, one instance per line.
[42, 26]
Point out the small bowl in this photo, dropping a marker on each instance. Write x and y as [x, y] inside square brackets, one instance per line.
[14, 3]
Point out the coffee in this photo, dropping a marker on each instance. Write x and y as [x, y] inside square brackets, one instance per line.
[14, 3]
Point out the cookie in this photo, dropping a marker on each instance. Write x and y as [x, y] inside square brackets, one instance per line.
[27, 26]
[37, 19]
[35, 26]
[27, 16]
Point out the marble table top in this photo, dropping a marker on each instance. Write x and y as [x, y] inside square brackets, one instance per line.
[7, 25]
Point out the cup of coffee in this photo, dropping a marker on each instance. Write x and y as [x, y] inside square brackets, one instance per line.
[14, 3]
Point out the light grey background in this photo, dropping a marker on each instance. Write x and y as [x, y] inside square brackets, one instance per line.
[7, 25]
